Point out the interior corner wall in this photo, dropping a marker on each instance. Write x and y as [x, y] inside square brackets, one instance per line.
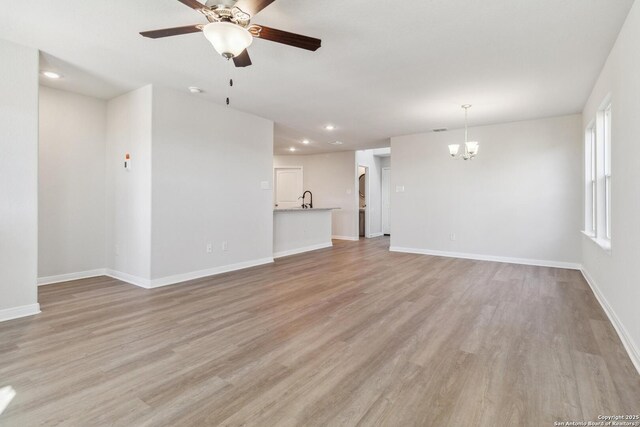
[614, 275]
[128, 192]
[519, 199]
[209, 164]
[374, 202]
[71, 196]
[332, 179]
[18, 181]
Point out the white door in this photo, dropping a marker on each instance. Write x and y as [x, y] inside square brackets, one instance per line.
[386, 200]
[288, 186]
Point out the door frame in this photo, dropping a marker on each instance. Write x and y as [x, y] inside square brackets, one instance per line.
[383, 214]
[275, 182]
[367, 198]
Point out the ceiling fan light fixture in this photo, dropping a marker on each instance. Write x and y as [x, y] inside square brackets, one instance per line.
[228, 39]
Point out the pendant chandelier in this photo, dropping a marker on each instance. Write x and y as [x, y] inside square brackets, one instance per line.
[470, 147]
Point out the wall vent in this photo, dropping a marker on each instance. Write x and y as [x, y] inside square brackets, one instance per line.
[440, 130]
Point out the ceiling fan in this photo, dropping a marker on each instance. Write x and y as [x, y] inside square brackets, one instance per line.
[230, 30]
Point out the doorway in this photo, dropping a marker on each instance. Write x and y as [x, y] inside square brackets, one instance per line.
[363, 198]
[287, 184]
[386, 201]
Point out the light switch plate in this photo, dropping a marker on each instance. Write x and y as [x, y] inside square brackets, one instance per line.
[399, 188]
[265, 185]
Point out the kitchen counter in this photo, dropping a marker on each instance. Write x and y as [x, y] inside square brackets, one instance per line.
[302, 210]
[297, 230]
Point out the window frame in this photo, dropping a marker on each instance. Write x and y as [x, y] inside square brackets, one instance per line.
[590, 181]
[597, 177]
[606, 166]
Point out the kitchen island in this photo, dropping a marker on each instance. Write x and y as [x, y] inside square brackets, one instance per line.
[297, 230]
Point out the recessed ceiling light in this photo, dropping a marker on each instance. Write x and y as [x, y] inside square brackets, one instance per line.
[329, 127]
[194, 89]
[292, 149]
[305, 141]
[51, 75]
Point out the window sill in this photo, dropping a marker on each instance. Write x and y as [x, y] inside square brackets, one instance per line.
[604, 244]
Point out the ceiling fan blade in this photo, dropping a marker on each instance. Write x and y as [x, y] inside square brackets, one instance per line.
[242, 60]
[168, 32]
[193, 4]
[285, 37]
[252, 7]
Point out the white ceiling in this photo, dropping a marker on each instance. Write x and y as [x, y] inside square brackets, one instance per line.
[384, 69]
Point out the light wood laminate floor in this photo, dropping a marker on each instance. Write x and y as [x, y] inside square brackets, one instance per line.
[350, 335]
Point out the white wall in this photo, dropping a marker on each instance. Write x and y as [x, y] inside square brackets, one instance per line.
[208, 165]
[332, 179]
[18, 180]
[71, 197]
[196, 178]
[129, 192]
[615, 275]
[517, 199]
[374, 201]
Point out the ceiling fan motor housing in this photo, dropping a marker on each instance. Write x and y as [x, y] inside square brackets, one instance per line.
[220, 3]
[217, 12]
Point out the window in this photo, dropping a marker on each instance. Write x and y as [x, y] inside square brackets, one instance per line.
[607, 170]
[590, 181]
[598, 140]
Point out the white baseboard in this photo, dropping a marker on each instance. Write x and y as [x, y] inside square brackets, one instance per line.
[155, 283]
[301, 250]
[17, 312]
[129, 278]
[372, 235]
[345, 238]
[50, 280]
[627, 341]
[179, 278]
[508, 260]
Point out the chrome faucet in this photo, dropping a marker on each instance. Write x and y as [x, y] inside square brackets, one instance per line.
[307, 205]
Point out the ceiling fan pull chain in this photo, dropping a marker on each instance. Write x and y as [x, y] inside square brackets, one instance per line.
[230, 85]
[228, 96]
